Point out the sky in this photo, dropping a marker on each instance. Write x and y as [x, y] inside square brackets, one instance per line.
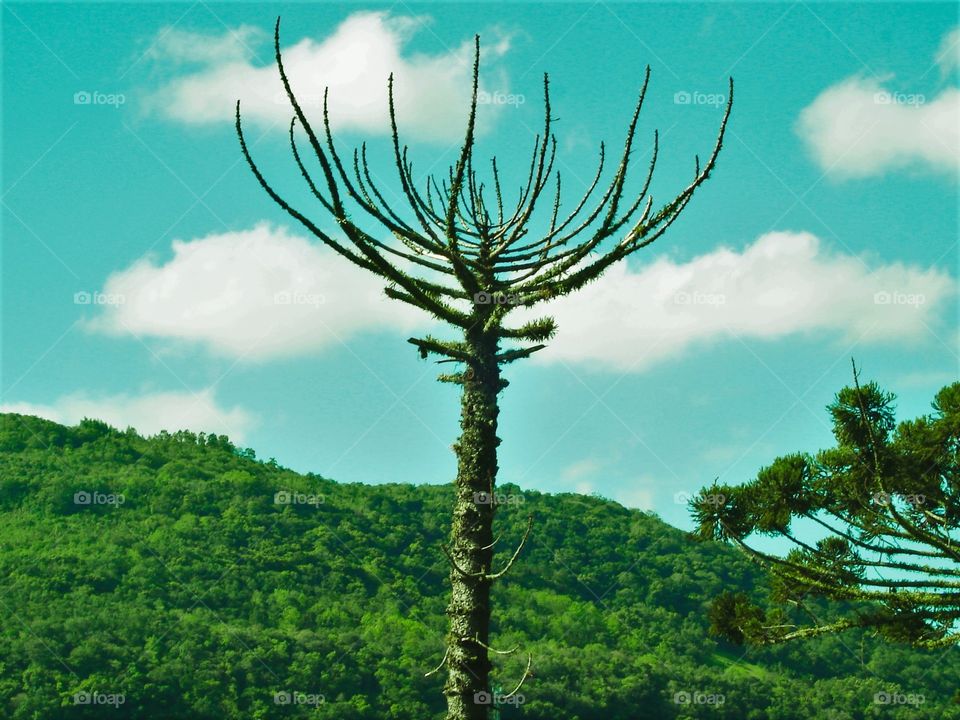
[147, 279]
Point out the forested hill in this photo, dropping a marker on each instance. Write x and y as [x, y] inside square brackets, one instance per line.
[179, 577]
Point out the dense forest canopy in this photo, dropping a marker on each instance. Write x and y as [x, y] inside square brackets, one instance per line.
[177, 576]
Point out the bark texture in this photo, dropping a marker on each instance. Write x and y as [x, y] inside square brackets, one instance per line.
[471, 538]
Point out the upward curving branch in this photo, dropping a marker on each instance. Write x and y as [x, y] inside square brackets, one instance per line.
[469, 252]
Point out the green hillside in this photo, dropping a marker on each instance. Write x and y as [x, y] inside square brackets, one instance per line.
[166, 578]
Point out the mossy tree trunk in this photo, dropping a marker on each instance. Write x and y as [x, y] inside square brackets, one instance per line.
[471, 536]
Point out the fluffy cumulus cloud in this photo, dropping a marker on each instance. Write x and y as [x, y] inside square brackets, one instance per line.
[432, 90]
[864, 126]
[859, 128]
[785, 283]
[252, 294]
[148, 414]
[265, 293]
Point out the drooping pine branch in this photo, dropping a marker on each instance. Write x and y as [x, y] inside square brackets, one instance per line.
[886, 501]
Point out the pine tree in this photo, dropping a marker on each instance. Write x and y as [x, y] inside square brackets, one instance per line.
[879, 516]
[467, 259]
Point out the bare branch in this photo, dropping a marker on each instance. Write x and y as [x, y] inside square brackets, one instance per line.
[516, 554]
[438, 667]
[526, 674]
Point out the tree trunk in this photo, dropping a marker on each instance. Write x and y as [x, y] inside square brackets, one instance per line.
[471, 536]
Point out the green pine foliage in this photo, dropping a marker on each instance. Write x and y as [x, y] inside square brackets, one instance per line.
[183, 584]
[870, 524]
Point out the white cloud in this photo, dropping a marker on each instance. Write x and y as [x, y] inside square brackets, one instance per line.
[637, 493]
[633, 497]
[588, 467]
[183, 46]
[265, 293]
[783, 284]
[581, 475]
[149, 413]
[935, 379]
[948, 56]
[252, 294]
[432, 91]
[860, 127]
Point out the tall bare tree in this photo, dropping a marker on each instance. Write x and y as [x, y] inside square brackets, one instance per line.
[464, 255]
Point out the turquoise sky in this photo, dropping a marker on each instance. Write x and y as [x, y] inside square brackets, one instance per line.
[91, 189]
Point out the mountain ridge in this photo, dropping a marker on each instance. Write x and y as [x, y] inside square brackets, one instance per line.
[194, 580]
